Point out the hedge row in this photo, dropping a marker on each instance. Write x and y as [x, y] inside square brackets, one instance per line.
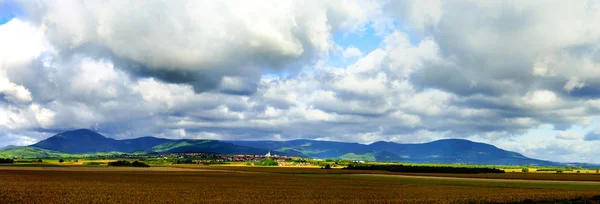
[424, 169]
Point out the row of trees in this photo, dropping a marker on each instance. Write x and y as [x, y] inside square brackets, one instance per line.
[423, 169]
[127, 163]
[6, 161]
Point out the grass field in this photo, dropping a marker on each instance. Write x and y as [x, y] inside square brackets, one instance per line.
[264, 185]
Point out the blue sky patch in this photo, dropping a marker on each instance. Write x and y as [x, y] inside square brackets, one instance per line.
[9, 9]
[366, 41]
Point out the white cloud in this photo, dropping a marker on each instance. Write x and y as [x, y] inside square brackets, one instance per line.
[573, 83]
[352, 52]
[201, 42]
[568, 135]
[21, 42]
[542, 98]
[13, 92]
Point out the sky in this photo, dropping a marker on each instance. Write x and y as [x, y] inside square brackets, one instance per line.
[521, 75]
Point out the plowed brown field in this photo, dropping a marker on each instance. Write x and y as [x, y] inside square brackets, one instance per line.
[52, 186]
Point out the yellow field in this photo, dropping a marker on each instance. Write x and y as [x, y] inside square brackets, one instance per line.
[534, 170]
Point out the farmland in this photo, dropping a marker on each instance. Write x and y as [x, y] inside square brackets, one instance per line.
[265, 185]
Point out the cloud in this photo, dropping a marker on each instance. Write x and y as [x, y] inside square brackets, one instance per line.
[234, 70]
[509, 47]
[204, 44]
[592, 136]
[568, 135]
[13, 92]
[352, 52]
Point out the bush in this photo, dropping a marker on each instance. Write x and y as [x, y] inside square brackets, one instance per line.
[327, 166]
[559, 171]
[119, 163]
[268, 162]
[597, 171]
[525, 170]
[578, 171]
[61, 161]
[6, 161]
[139, 164]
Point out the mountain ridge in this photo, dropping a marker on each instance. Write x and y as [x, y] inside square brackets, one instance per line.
[447, 151]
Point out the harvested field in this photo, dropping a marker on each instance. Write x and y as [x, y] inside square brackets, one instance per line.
[131, 186]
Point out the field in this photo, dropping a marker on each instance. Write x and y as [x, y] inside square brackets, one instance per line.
[222, 184]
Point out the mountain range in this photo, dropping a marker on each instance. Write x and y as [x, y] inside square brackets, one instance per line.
[448, 151]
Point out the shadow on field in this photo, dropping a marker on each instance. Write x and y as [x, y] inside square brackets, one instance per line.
[592, 200]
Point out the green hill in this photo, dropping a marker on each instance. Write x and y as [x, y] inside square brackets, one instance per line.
[205, 146]
[34, 152]
[31, 152]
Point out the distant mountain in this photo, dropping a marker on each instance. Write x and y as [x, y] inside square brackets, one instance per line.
[78, 142]
[85, 141]
[448, 151]
[311, 148]
[205, 146]
[140, 144]
[9, 147]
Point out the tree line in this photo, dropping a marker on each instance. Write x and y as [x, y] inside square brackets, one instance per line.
[127, 163]
[424, 169]
[6, 161]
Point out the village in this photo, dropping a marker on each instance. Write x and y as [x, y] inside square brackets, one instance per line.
[211, 158]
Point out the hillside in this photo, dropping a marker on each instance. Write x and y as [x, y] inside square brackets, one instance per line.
[442, 151]
[9, 147]
[447, 151]
[30, 152]
[78, 142]
[205, 146]
[85, 141]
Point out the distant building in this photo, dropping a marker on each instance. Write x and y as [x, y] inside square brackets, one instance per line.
[268, 154]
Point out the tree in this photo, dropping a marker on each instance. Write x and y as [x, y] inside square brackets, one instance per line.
[327, 166]
[61, 161]
[525, 170]
[268, 162]
[120, 163]
[6, 161]
[127, 163]
[139, 164]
